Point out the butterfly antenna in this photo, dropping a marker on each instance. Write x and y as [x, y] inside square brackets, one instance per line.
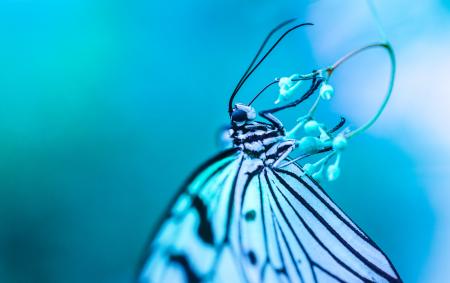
[252, 68]
[269, 35]
[264, 43]
[263, 90]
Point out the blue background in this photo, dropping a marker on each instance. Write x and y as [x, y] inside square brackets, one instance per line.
[107, 106]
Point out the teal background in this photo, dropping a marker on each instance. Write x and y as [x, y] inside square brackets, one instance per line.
[107, 106]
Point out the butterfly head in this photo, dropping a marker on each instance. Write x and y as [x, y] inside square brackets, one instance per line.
[242, 114]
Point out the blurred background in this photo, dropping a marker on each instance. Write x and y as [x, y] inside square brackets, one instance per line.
[106, 107]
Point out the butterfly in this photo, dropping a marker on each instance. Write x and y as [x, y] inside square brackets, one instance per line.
[254, 214]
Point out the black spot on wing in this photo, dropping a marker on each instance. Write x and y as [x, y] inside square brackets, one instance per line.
[204, 228]
[250, 215]
[252, 257]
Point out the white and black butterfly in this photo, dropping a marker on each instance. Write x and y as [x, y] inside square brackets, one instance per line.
[251, 215]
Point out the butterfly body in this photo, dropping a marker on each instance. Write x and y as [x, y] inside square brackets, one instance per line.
[262, 141]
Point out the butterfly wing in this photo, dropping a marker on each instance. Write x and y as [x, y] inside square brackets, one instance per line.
[316, 240]
[237, 222]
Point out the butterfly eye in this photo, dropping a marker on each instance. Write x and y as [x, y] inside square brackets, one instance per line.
[243, 113]
[239, 115]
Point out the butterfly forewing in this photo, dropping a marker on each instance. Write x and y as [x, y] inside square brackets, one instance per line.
[184, 246]
[335, 245]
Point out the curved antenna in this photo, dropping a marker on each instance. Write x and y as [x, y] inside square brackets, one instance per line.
[269, 35]
[250, 71]
[261, 91]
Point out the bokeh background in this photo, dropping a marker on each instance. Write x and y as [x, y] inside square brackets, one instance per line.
[107, 106]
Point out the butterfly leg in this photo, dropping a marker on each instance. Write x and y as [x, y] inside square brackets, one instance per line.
[273, 120]
[280, 152]
[268, 114]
